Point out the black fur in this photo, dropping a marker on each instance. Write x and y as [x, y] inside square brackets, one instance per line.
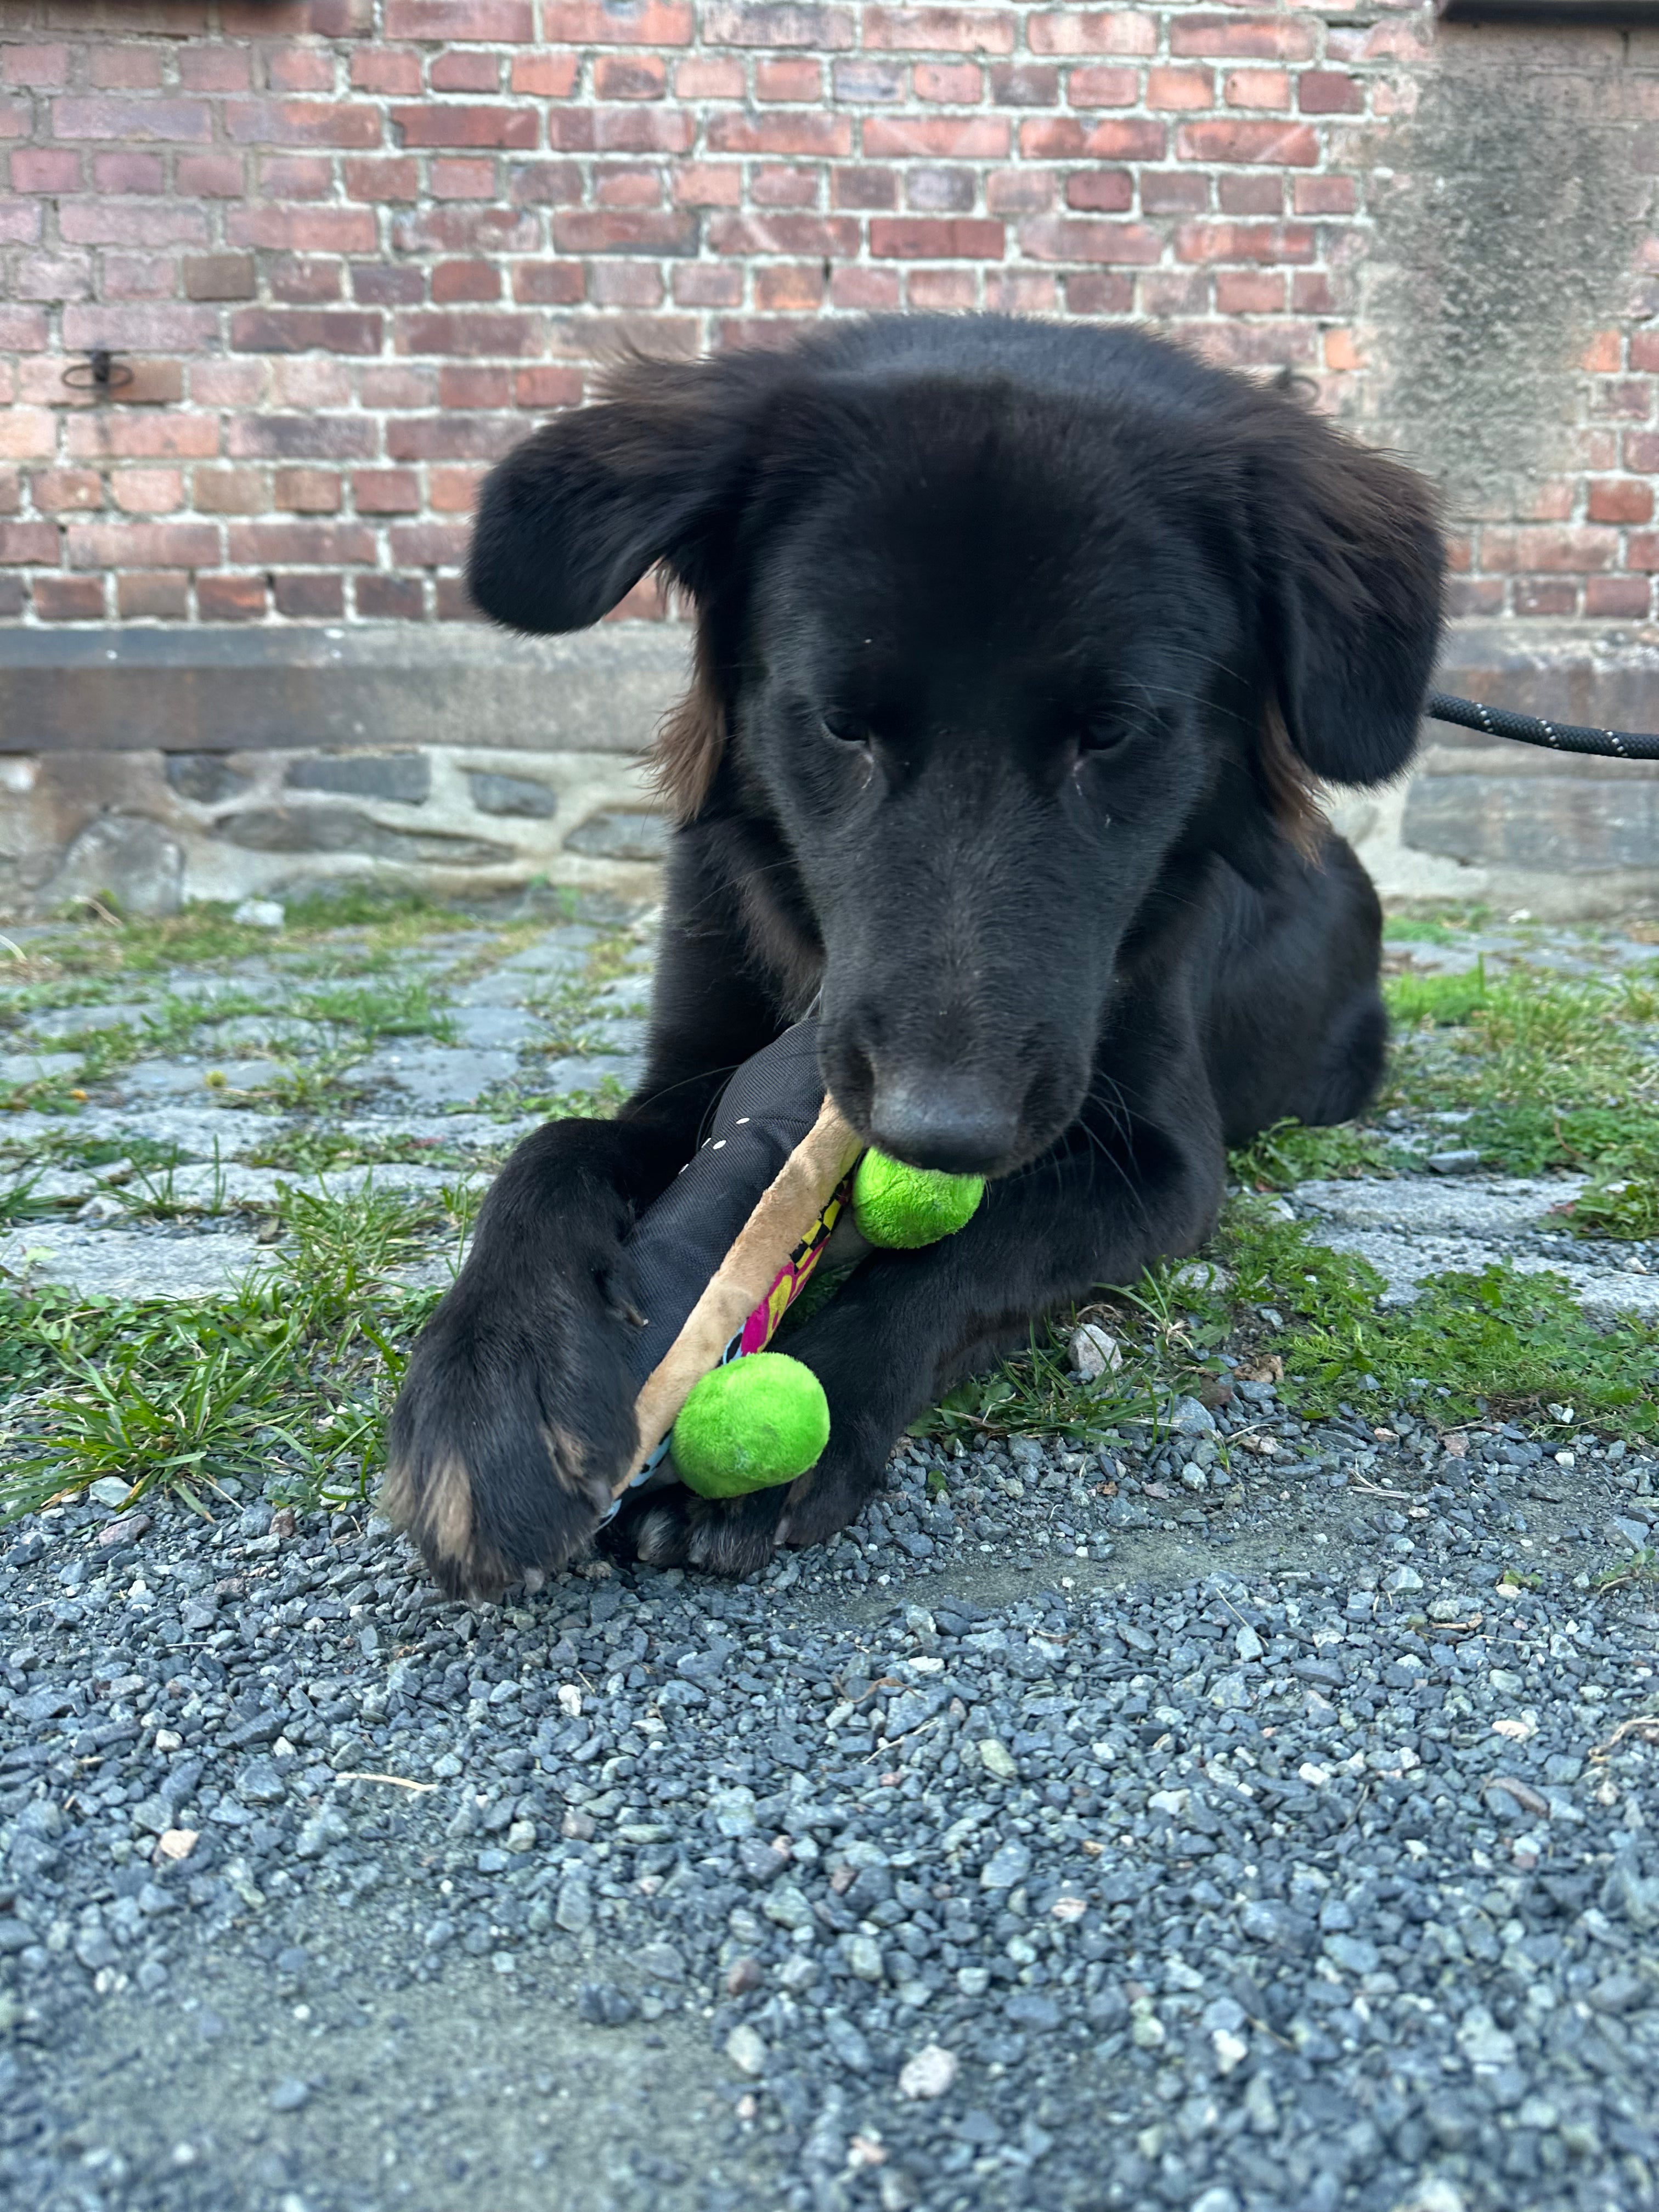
[1016, 646]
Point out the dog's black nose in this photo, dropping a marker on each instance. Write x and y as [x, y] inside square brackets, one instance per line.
[942, 1121]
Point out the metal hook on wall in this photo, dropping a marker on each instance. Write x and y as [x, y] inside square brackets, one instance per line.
[100, 372]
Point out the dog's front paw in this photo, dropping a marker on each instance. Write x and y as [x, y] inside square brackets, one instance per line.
[514, 1424]
[675, 1528]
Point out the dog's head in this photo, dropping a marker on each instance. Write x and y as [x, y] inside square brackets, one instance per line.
[1003, 630]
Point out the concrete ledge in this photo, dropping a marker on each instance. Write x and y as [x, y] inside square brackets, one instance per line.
[207, 762]
[232, 689]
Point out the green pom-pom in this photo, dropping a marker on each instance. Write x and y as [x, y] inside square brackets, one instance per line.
[749, 1426]
[902, 1208]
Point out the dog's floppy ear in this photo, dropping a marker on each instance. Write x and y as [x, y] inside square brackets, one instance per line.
[571, 520]
[1350, 566]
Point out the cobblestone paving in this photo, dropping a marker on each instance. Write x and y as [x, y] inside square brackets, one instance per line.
[1237, 1812]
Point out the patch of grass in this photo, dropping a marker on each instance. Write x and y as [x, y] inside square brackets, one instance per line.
[1440, 921]
[570, 1003]
[1499, 1340]
[372, 1010]
[1291, 1152]
[368, 906]
[1528, 1041]
[600, 1104]
[314, 1151]
[345, 1245]
[1617, 1206]
[1443, 1001]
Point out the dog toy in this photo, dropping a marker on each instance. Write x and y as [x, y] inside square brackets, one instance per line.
[781, 1175]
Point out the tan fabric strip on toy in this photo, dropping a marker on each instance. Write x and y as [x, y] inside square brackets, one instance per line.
[793, 1201]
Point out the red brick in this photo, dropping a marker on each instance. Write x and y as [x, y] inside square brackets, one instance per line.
[697, 285]
[36, 69]
[940, 30]
[451, 178]
[781, 23]
[389, 598]
[547, 386]
[142, 544]
[1540, 599]
[302, 123]
[917, 239]
[1627, 597]
[792, 80]
[957, 137]
[309, 599]
[630, 76]
[211, 176]
[1620, 399]
[1241, 241]
[547, 283]
[28, 545]
[1312, 292]
[1093, 31]
[478, 22]
[1079, 237]
[301, 437]
[428, 545]
[1242, 192]
[779, 133]
[69, 599]
[390, 178]
[230, 599]
[219, 276]
[618, 22]
[294, 176]
[1620, 502]
[624, 233]
[299, 279]
[453, 282]
[277, 330]
[545, 76]
[375, 285]
[1329, 92]
[303, 229]
[865, 291]
[545, 184]
[1531, 547]
[785, 233]
[385, 491]
[785, 184]
[621, 129]
[1063, 138]
[141, 596]
[23, 330]
[394, 75]
[140, 437]
[712, 76]
[185, 121]
[624, 284]
[1019, 192]
[1281, 144]
[455, 123]
[625, 185]
[1104, 85]
[306, 544]
[1258, 88]
[1242, 38]
[300, 69]
[67, 491]
[1249, 292]
[1099, 292]
[229, 491]
[1174, 192]
[709, 184]
[45, 169]
[309, 491]
[1171, 88]
[1324, 195]
[465, 72]
[1101, 191]
[467, 331]
[148, 491]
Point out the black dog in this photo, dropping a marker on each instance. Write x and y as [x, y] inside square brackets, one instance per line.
[1016, 648]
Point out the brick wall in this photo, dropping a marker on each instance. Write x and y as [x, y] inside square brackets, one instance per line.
[348, 250]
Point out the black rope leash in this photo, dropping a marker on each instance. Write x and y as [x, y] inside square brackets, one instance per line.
[1534, 730]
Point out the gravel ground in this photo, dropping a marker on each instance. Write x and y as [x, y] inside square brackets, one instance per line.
[1182, 1824]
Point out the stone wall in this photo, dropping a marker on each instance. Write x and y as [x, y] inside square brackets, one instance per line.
[203, 764]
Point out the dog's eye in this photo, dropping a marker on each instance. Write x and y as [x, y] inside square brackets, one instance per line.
[1093, 738]
[846, 729]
